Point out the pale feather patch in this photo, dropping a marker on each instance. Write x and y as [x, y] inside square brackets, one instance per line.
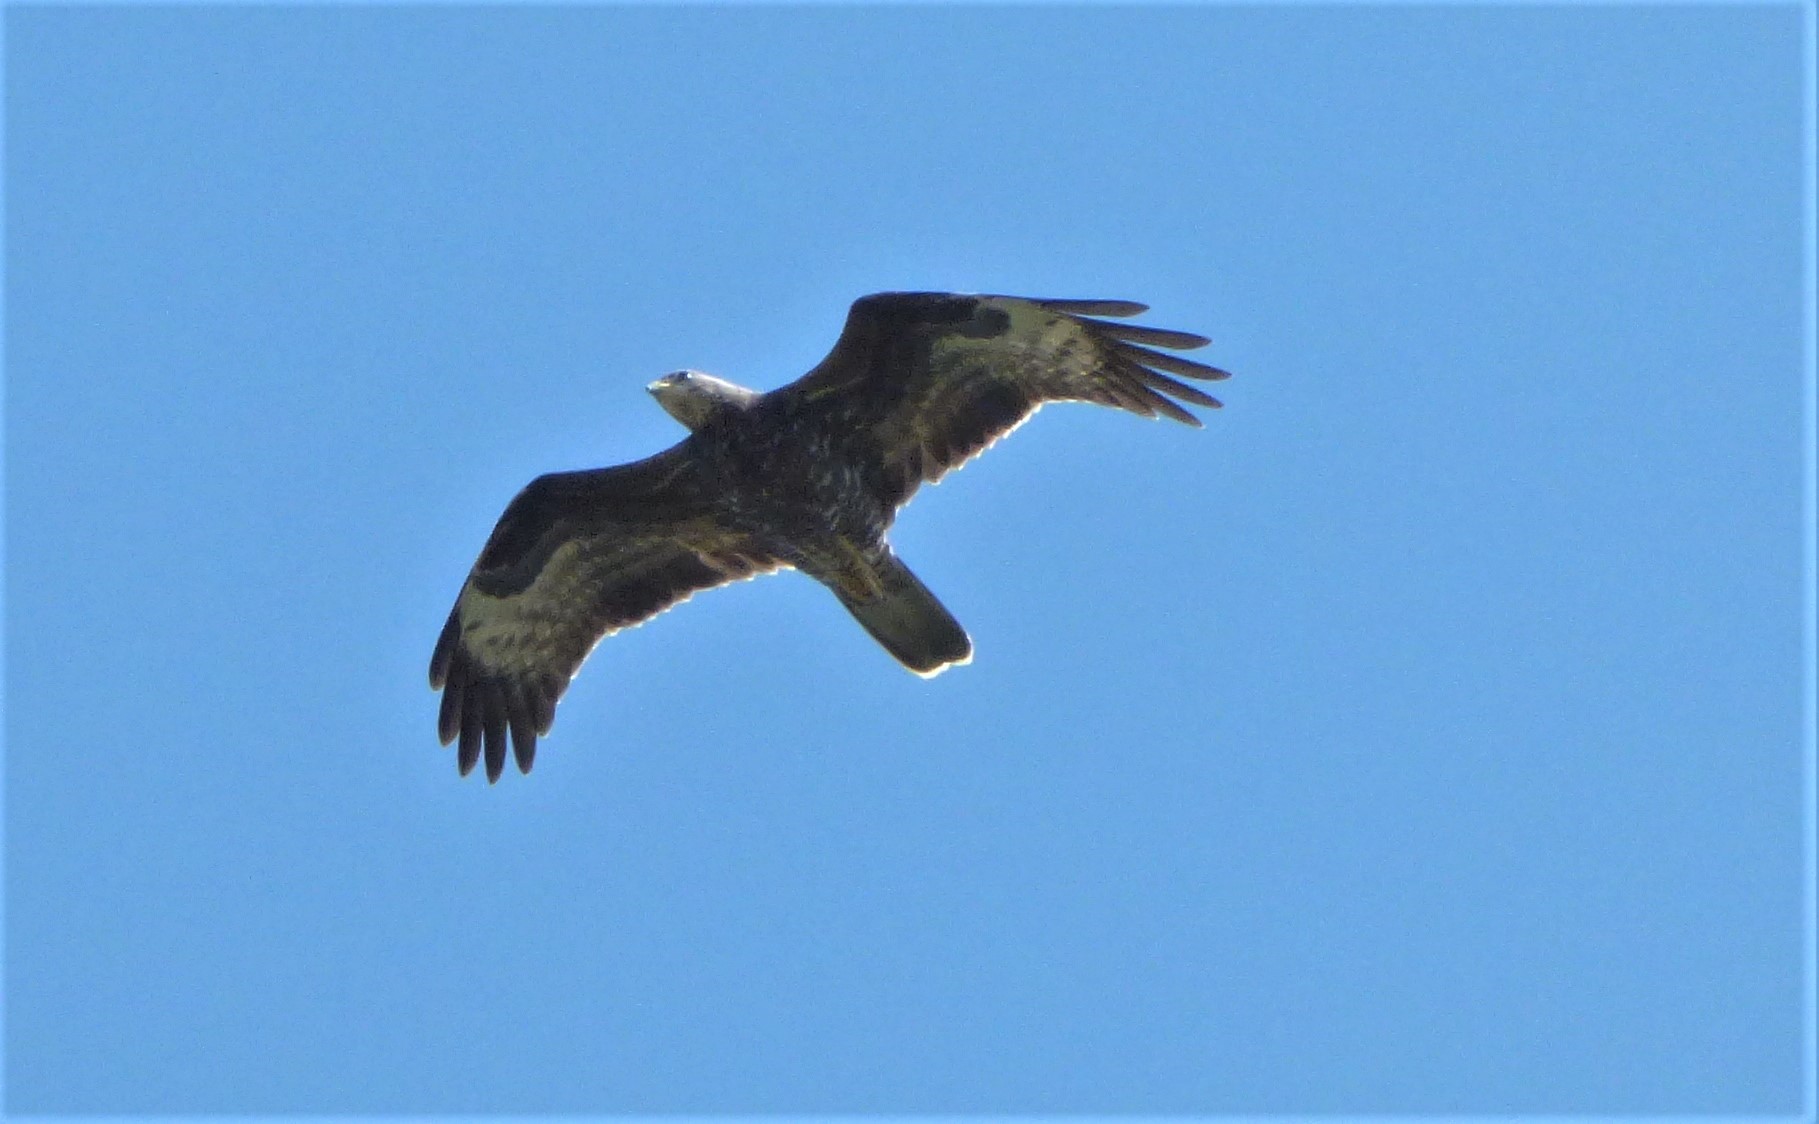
[1039, 345]
[934, 671]
[515, 634]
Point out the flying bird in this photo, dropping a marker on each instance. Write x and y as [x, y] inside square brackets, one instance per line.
[808, 476]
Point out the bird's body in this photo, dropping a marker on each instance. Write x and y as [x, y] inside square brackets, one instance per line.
[809, 476]
[806, 499]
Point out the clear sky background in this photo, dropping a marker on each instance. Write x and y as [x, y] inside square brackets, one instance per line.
[1424, 735]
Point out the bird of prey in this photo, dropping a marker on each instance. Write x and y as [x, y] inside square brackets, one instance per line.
[809, 476]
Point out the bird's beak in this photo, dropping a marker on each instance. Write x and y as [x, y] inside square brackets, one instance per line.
[658, 386]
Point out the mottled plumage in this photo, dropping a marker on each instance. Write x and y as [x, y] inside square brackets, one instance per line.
[808, 476]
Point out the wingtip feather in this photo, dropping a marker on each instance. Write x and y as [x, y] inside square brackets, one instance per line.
[1165, 385]
[1169, 408]
[1175, 364]
[493, 733]
[444, 654]
[523, 726]
[1094, 307]
[1139, 334]
[467, 753]
[448, 716]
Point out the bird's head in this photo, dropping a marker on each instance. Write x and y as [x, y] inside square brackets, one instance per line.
[694, 398]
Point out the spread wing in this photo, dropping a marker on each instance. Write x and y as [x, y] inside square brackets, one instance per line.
[934, 378]
[576, 557]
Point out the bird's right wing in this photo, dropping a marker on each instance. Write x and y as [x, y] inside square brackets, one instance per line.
[576, 556]
[932, 379]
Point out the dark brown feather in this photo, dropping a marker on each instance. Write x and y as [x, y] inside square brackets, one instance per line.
[522, 715]
[494, 696]
[1162, 404]
[468, 751]
[448, 718]
[1174, 363]
[543, 708]
[1155, 337]
[1178, 389]
[439, 659]
[1094, 308]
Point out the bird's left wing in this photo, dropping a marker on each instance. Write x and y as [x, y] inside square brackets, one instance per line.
[576, 556]
[932, 379]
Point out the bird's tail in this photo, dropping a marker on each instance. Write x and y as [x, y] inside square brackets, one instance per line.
[904, 616]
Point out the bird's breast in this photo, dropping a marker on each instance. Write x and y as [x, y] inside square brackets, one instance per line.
[802, 484]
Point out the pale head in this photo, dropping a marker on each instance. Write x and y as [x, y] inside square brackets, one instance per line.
[694, 398]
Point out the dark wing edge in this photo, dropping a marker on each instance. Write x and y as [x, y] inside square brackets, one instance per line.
[937, 378]
[574, 558]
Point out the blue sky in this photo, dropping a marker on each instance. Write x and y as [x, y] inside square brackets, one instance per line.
[1423, 736]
